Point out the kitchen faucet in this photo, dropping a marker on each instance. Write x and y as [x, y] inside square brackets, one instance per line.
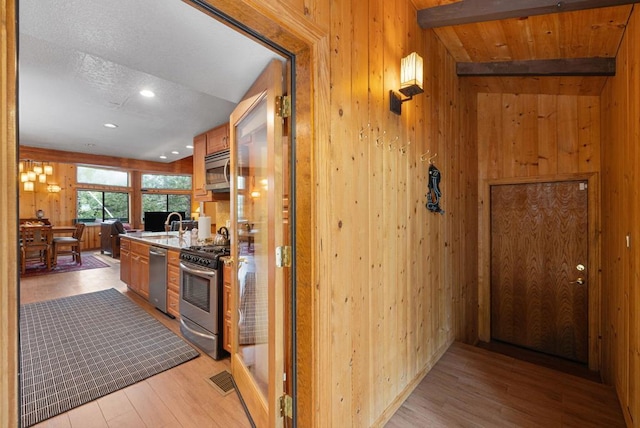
[166, 224]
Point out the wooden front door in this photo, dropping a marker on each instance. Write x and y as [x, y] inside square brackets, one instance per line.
[539, 254]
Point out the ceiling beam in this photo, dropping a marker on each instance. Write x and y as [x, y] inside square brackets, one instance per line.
[543, 67]
[470, 11]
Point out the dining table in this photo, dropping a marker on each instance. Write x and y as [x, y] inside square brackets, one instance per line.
[59, 230]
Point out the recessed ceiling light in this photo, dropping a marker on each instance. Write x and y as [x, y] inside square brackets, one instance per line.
[175, 152]
[110, 125]
[147, 93]
[189, 147]
[163, 157]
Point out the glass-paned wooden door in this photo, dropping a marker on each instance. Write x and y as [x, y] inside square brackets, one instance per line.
[257, 360]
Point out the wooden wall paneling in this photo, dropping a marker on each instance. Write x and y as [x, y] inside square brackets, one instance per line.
[467, 312]
[394, 27]
[182, 166]
[342, 228]
[588, 110]
[547, 124]
[377, 265]
[406, 149]
[510, 124]
[358, 217]
[436, 238]
[8, 238]
[633, 37]
[563, 85]
[568, 134]
[620, 113]
[528, 135]
[490, 127]
[450, 146]
[625, 291]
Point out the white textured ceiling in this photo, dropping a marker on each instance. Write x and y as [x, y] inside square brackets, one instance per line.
[82, 64]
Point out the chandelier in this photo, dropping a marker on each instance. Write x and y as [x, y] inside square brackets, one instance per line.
[32, 172]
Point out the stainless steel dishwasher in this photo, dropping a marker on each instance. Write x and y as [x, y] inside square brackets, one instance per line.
[158, 278]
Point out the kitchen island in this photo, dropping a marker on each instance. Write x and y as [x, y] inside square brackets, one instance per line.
[134, 263]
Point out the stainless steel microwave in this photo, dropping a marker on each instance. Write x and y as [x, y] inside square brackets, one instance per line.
[217, 171]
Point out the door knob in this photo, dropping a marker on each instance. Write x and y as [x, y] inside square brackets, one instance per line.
[579, 281]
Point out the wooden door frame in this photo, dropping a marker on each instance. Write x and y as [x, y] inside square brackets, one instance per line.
[593, 271]
[309, 42]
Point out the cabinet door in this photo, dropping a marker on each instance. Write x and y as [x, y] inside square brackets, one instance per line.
[125, 261]
[173, 288]
[199, 180]
[218, 139]
[144, 277]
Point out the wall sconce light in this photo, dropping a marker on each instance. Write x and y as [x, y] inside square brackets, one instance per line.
[53, 188]
[411, 81]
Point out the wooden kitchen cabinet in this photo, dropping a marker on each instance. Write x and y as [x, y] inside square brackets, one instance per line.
[139, 272]
[125, 261]
[199, 179]
[212, 141]
[218, 139]
[173, 283]
[227, 329]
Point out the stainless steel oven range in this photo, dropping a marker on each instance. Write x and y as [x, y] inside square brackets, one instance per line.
[201, 314]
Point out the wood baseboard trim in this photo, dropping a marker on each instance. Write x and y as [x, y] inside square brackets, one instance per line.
[393, 407]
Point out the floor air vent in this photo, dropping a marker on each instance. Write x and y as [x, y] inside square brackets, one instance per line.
[222, 382]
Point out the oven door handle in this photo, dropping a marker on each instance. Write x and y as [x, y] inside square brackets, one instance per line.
[197, 271]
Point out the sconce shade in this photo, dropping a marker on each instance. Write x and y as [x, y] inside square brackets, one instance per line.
[48, 169]
[24, 177]
[411, 75]
[53, 188]
[31, 175]
[37, 169]
[28, 186]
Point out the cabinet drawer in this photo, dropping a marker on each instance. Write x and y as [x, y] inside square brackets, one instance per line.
[173, 278]
[140, 248]
[125, 244]
[173, 258]
[173, 303]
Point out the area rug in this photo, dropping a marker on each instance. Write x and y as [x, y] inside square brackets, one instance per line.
[80, 348]
[65, 264]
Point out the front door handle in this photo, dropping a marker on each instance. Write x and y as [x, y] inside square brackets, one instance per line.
[579, 281]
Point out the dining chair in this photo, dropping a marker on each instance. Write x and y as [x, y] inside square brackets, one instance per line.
[65, 245]
[35, 244]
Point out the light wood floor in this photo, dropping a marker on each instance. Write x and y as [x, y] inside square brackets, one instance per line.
[468, 387]
[473, 387]
[179, 397]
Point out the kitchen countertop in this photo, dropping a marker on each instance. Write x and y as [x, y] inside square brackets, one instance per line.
[169, 240]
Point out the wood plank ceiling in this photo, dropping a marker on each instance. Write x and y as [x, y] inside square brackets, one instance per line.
[591, 33]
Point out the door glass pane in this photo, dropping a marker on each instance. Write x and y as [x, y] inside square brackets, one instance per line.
[252, 215]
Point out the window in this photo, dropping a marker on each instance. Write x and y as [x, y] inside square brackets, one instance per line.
[166, 202]
[166, 193]
[102, 176]
[95, 205]
[173, 182]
